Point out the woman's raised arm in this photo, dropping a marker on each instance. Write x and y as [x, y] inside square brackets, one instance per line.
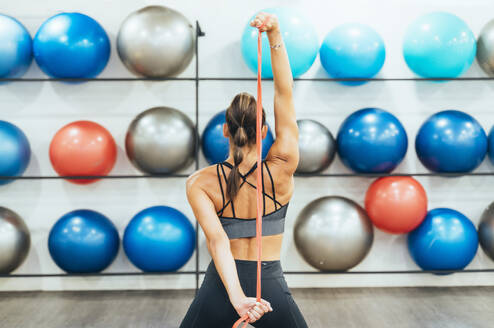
[285, 147]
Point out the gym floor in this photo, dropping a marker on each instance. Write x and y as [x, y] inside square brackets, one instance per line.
[456, 307]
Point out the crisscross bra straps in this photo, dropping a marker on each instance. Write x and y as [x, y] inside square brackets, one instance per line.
[272, 223]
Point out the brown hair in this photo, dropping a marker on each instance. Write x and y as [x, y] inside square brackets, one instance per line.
[241, 122]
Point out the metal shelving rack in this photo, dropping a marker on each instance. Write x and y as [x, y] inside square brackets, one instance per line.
[197, 79]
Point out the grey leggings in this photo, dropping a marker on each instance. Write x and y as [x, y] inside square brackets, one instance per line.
[212, 308]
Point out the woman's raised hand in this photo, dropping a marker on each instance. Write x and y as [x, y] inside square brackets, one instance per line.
[265, 22]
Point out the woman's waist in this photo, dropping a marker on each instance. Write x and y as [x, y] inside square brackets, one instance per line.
[246, 248]
[247, 269]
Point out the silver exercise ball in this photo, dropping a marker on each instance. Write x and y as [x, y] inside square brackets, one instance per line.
[156, 42]
[317, 147]
[161, 140]
[15, 240]
[486, 231]
[333, 233]
[485, 48]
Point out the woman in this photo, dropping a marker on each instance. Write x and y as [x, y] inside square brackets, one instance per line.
[222, 196]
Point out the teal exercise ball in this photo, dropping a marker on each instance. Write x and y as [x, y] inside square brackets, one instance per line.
[298, 34]
[439, 44]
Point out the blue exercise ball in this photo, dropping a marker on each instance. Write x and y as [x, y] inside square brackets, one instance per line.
[83, 241]
[216, 147]
[372, 140]
[445, 240]
[159, 239]
[352, 50]
[300, 40]
[439, 44]
[491, 145]
[71, 45]
[451, 141]
[16, 52]
[15, 151]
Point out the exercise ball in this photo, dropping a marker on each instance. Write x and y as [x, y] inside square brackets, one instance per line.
[486, 231]
[156, 41]
[445, 240]
[161, 140]
[159, 239]
[439, 44]
[71, 45]
[83, 241]
[298, 34]
[396, 204]
[316, 147]
[372, 140]
[15, 151]
[16, 49]
[83, 148]
[216, 147]
[352, 50]
[333, 233]
[485, 48]
[491, 145]
[451, 141]
[15, 240]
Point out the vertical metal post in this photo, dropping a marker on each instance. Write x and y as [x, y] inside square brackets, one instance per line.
[199, 33]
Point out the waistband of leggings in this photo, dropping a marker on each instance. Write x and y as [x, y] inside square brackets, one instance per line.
[248, 269]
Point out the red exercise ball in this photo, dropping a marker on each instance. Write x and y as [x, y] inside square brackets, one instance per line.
[396, 204]
[83, 148]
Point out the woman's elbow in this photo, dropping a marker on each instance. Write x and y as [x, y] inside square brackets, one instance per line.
[218, 243]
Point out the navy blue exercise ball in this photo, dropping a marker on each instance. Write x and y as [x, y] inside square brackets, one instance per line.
[83, 241]
[159, 239]
[491, 145]
[451, 141]
[71, 45]
[15, 151]
[16, 50]
[299, 36]
[372, 140]
[216, 147]
[352, 50]
[445, 240]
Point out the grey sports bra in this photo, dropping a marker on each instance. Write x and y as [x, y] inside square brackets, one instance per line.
[272, 223]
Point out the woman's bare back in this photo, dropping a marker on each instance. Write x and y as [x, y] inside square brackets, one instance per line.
[245, 203]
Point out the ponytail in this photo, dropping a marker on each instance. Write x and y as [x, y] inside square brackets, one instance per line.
[241, 120]
[239, 140]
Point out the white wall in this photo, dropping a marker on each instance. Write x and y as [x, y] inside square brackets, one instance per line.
[40, 109]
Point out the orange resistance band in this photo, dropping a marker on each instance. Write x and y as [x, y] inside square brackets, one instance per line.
[245, 318]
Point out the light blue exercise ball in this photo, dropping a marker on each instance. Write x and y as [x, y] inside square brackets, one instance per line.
[439, 44]
[300, 39]
[16, 51]
[352, 50]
